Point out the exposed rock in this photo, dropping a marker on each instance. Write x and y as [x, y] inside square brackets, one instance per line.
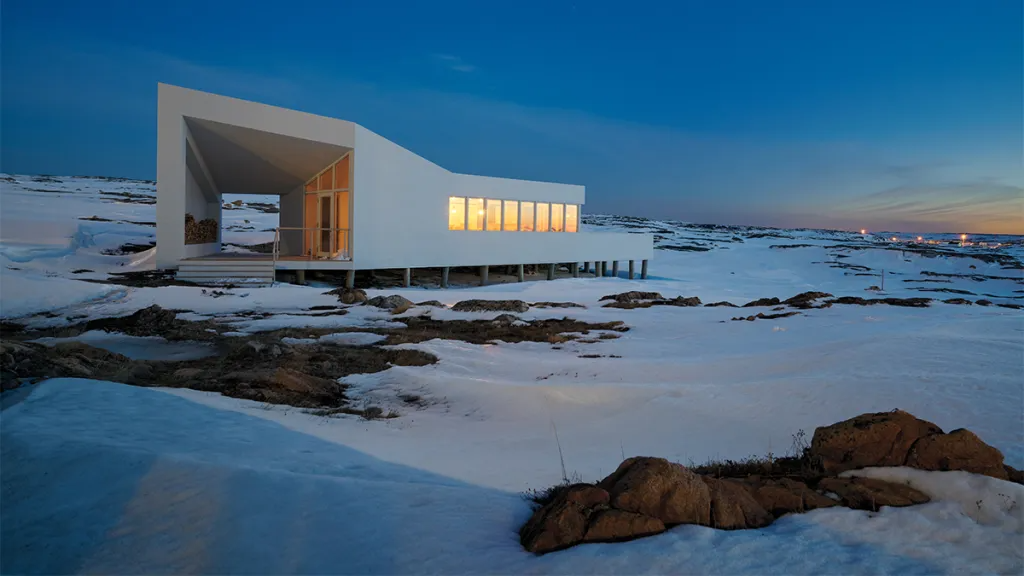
[807, 300]
[491, 306]
[661, 489]
[505, 319]
[562, 522]
[1011, 306]
[681, 301]
[615, 525]
[722, 303]
[733, 507]
[348, 295]
[1014, 475]
[959, 450]
[871, 493]
[632, 296]
[961, 301]
[983, 302]
[150, 321]
[879, 439]
[806, 297]
[433, 304]
[28, 361]
[557, 305]
[906, 302]
[785, 496]
[763, 302]
[764, 316]
[392, 302]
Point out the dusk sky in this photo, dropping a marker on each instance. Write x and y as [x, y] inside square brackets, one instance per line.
[886, 115]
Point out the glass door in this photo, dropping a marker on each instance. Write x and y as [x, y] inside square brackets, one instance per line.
[325, 224]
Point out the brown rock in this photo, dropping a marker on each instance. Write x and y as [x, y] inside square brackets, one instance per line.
[616, 525]
[959, 450]
[805, 299]
[732, 506]
[661, 489]
[563, 521]
[348, 295]
[491, 306]
[870, 494]
[787, 496]
[879, 439]
[682, 301]
[632, 296]
[763, 302]
[391, 302]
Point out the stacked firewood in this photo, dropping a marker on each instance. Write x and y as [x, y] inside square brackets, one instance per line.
[201, 232]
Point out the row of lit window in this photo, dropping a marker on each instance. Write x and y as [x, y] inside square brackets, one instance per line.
[511, 215]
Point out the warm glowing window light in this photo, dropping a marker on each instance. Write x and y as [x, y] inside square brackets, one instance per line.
[526, 223]
[493, 215]
[475, 214]
[543, 216]
[863, 231]
[511, 215]
[456, 213]
[572, 215]
[558, 217]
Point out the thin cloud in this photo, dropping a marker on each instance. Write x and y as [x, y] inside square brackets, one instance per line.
[455, 63]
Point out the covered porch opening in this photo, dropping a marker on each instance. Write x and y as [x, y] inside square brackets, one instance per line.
[311, 180]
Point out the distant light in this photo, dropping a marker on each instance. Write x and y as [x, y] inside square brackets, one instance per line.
[963, 236]
[893, 238]
[918, 238]
[863, 231]
[480, 212]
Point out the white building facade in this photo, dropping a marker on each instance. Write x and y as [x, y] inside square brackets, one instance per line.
[351, 199]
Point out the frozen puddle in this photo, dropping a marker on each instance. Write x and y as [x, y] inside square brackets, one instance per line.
[138, 347]
[340, 338]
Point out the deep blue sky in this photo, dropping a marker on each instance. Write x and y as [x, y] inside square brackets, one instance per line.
[899, 115]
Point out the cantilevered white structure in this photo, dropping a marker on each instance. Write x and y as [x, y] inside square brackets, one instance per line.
[350, 199]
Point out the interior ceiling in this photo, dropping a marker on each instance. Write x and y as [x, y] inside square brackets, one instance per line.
[247, 161]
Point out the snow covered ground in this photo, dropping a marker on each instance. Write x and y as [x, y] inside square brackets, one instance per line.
[150, 480]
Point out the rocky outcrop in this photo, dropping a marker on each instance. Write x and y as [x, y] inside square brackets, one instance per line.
[870, 493]
[879, 439]
[646, 495]
[392, 302]
[733, 507]
[614, 525]
[661, 489]
[905, 302]
[959, 450]
[491, 306]
[348, 295]
[556, 305]
[787, 496]
[763, 302]
[562, 522]
[632, 296]
[806, 300]
[722, 303]
[432, 304]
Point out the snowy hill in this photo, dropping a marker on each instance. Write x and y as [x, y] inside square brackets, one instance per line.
[107, 477]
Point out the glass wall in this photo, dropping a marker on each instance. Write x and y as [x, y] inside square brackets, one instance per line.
[493, 215]
[571, 217]
[557, 217]
[543, 216]
[456, 213]
[511, 215]
[526, 222]
[476, 214]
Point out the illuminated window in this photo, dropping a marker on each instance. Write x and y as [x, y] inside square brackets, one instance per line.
[493, 215]
[456, 213]
[311, 185]
[557, 212]
[527, 217]
[476, 213]
[511, 215]
[327, 179]
[543, 216]
[572, 216]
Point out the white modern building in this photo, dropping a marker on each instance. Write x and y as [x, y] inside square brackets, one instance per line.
[350, 199]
